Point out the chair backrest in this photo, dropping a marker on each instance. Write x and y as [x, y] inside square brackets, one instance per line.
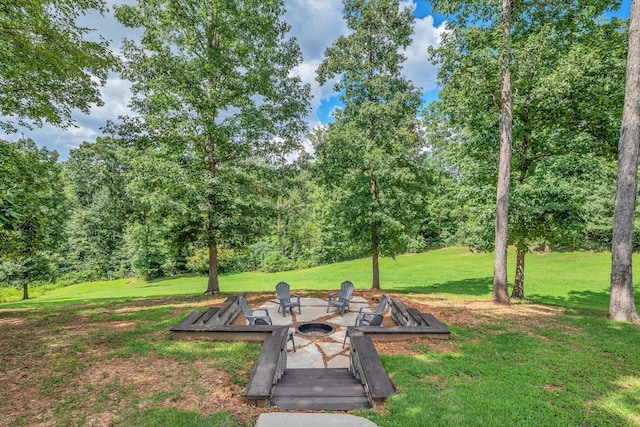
[346, 290]
[382, 305]
[243, 306]
[377, 320]
[283, 291]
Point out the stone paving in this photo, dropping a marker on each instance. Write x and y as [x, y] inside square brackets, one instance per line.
[310, 350]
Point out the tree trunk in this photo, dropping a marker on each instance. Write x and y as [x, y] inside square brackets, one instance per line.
[518, 284]
[25, 291]
[621, 304]
[375, 236]
[213, 286]
[374, 266]
[500, 291]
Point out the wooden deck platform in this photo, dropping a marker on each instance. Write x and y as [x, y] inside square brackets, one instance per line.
[319, 389]
[364, 384]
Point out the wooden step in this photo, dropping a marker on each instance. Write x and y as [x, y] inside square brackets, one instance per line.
[319, 389]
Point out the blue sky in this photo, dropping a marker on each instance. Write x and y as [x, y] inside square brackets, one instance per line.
[314, 23]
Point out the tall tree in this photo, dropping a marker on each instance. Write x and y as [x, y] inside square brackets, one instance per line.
[35, 227]
[213, 83]
[500, 292]
[564, 63]
[47, 67]
[370, 154]
[621, 304]
[96, 177]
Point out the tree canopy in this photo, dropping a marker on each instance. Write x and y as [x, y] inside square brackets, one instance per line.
[48, 68]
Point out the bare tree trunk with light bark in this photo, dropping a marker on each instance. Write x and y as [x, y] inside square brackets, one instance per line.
[500, 292]
[621, 304]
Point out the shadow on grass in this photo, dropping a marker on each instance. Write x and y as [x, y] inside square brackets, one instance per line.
[476, 287]
[584, 300]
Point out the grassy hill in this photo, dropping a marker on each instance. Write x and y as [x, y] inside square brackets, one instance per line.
[101, 353]
[571, 279]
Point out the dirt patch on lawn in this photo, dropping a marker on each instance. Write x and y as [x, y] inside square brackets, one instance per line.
[63, 366]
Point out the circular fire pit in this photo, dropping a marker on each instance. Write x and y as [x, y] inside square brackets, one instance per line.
[314, 329]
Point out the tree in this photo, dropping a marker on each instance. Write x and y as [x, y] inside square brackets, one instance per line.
[47, 67]
[35, 226]
[500, 293]
[213, 83]
[564, 68]
[621, 304]
[371, 154]
[96, 176]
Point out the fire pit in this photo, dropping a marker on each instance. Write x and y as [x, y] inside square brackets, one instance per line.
[314, 329]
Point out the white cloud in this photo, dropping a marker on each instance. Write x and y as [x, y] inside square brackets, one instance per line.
[417, 67]
[315, 25]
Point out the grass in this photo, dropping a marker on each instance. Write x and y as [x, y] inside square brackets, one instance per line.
[101, 353]
[567, 279]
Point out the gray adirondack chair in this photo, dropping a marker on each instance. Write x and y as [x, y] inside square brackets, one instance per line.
[251, 316]
[284, 294]
[368, 313]
[376, 320]
[341, 299]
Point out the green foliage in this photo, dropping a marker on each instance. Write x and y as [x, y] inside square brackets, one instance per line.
[213, 85]
[96, 176]
[369, 157]
[32, 228]
[567, 71]
[47, 67]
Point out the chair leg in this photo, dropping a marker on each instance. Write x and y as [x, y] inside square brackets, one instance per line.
[346, 335]
[293, 342]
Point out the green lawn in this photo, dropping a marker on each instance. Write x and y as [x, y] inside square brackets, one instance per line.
[101, 353]
[570, 279]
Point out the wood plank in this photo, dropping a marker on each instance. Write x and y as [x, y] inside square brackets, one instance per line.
[415, 318]
[430, 320]
[329, 390]
[287, 380]
[319, 372]
[397, 333]
[229, 336]
[189, 320]
[211, 311]
[398, 311]
[229, 310]
[322, 403]
[376, 380]
[265, 369]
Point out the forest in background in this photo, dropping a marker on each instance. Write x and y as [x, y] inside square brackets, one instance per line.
[153, 198]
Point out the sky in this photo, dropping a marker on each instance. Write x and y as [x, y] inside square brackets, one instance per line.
[316, 24]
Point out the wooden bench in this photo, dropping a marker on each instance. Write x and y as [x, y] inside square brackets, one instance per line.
[366, 366]
[271, 364]
[215, 324]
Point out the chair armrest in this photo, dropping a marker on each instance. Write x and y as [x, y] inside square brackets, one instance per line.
[369, 307]
[260, 309]
[333, 294]
[296, 295]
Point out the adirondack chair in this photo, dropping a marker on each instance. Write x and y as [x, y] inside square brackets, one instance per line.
[376, 320]
[251, 315]
[341, 299]
[365, 315]
[284, 295]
